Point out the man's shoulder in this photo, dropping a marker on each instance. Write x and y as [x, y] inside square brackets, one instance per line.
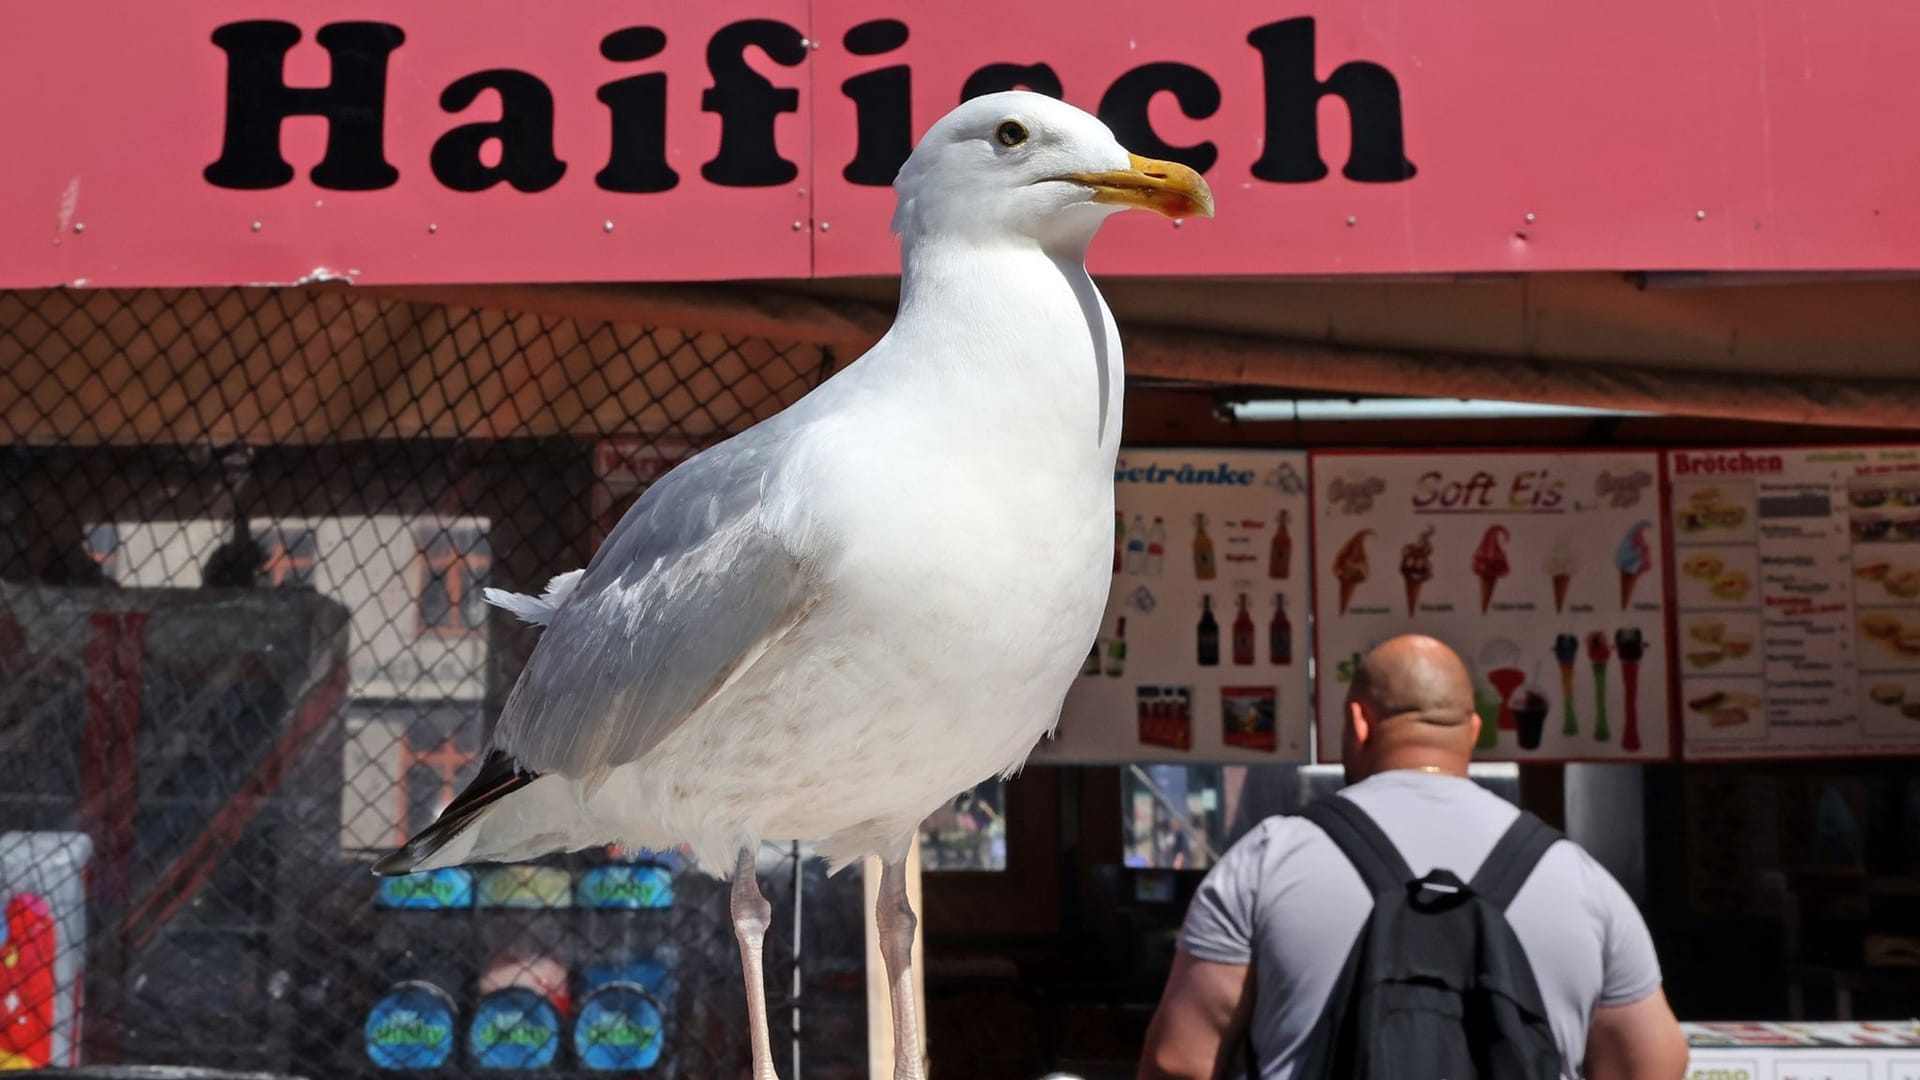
[1568, 865]
[1275, 836]
[1276, 846]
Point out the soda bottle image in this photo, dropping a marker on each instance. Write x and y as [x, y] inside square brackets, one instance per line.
[1280, 553]
[1117, 649]
[1137, 546]
[1280, 633]
[1202, 549]
[1243, 649]
[1156, 548]
[1209, 651]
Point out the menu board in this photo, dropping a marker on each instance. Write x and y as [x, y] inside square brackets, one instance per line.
[1202, 655]
[1886, 1050]
[1797, 588]
[1544, 570]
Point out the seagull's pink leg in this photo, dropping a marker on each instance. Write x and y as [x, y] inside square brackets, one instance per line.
[751, 917]
[894, 922]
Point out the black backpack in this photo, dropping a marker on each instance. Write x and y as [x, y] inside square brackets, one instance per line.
[1437, 986]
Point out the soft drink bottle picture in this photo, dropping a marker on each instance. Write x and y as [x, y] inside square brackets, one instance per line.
[1280, 633]
[1280, 552]
[1137, 546]
[1209, 634]
[1117, 649]
[1243, 648]
[1156, 548]
[1202, 549]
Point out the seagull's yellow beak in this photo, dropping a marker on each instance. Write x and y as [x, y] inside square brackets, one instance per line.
[1164, 187]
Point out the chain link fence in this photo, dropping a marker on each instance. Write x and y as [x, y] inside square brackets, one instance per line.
[243, 652]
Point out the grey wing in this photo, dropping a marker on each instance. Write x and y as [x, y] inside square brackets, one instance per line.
[693, 586]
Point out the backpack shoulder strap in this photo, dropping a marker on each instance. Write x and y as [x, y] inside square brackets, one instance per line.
[1513, 858]
[1361, 840]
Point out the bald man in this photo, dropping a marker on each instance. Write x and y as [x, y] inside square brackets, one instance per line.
[1272, 924]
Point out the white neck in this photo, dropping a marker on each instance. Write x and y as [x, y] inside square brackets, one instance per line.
[1032, 344]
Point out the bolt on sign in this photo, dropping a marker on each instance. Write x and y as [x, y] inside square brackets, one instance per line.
[231, 142]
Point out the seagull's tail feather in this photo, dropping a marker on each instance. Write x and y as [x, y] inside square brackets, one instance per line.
[501, 816]
[538, 610]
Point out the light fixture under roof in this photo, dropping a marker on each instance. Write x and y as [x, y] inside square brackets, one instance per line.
[1339, 409]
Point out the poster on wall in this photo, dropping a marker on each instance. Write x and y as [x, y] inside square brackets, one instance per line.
[1543, 569]
[1202, 655]
[1797, 591]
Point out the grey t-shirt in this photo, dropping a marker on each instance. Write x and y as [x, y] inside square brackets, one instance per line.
[1285, 900]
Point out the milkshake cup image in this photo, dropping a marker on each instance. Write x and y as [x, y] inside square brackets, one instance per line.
[1632, 558]
[1599, 652]
[1631, 647]
[1350, 566]
[1416, 567]
[1560, 567]
[1566, 650]
[1490, 562]
[1530, 708]
[1500, 659]
[1505, 682]
[1486, 704]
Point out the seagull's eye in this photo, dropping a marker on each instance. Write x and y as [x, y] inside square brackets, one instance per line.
[1010, 133]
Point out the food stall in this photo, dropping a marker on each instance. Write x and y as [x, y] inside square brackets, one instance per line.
[390, 306]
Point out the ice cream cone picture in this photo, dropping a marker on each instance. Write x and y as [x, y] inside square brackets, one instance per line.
[1350, 566]
[1559, 567]
[1599, 652]
[1416, 567]
[1566, 650]
[1490, 562]
[1632, 558]
[1629, 644]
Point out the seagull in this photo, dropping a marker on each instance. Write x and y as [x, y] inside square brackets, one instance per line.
[831, 624]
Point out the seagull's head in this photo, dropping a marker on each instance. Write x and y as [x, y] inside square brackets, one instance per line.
[1019, 165]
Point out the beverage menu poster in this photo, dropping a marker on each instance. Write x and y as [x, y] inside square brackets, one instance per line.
[1202, 655]
[1797, 590]
[1545, 571]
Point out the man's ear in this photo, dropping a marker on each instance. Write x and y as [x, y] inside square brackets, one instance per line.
[1357, 721]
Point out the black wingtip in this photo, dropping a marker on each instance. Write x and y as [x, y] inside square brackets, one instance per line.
[499, 777]
[393, 864]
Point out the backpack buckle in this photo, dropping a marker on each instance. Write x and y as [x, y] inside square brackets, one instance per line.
[1440, 890]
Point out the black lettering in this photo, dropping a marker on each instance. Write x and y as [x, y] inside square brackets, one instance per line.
[883, 106]
[1124, 108]
[1293, 90]
[259, 100]
[993, 78]
[638, 161]
[748, 104]
[524, 132]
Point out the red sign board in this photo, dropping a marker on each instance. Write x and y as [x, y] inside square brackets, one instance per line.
[226, 141]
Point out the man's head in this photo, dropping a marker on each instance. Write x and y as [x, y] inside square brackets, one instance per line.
[1410, 705]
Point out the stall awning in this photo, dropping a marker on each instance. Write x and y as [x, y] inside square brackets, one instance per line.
[201, 365]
